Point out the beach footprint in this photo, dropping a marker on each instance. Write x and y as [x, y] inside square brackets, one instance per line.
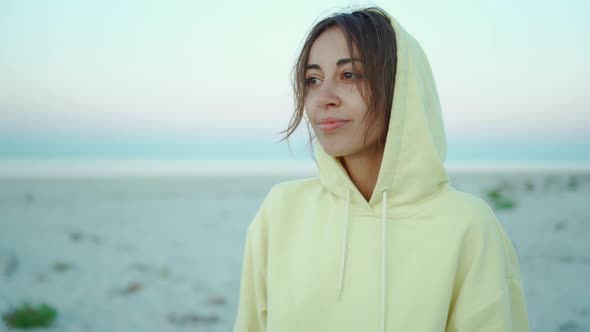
[8, 263]
[191, 319]
[569, 326]
[79, 236]
[216, 300]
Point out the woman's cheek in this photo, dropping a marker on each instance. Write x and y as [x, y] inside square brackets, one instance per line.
[309, 105]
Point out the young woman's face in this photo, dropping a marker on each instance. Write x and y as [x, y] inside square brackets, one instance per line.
[334, 104]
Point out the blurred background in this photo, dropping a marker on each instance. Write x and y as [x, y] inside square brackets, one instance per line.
[138, 139]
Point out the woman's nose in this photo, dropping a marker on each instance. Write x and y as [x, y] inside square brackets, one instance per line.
[328, 97]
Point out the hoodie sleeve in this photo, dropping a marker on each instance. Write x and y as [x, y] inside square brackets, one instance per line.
[489, 294]
[252, 307]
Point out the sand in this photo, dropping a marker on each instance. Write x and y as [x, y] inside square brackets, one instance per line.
[165, 254]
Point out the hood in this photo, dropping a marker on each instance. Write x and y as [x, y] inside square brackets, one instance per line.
[412, 167]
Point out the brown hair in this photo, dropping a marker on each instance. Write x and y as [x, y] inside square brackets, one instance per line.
[370, 30]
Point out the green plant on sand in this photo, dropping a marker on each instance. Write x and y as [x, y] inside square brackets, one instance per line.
[572, 183]
[62, 266]
[499, 201]
[28, 316]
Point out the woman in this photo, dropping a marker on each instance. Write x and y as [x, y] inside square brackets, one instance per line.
[381, 241]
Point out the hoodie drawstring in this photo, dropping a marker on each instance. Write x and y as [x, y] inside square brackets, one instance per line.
[344, 243]
[383, 253]
[383, 260]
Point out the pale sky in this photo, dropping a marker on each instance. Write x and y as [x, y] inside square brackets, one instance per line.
[187, 70]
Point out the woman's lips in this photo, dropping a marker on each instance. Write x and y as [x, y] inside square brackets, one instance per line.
[331, 126]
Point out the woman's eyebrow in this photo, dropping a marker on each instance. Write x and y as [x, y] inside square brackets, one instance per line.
[345, 61]
[339, 63]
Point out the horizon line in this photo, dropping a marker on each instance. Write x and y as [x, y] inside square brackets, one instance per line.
[180, 168]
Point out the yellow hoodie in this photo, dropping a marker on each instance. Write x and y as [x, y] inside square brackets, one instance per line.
[418, 256]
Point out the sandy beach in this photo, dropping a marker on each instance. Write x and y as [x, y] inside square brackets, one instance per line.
[165, 254]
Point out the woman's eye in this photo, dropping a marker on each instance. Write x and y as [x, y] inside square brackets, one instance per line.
[312, 80]
[349, 75]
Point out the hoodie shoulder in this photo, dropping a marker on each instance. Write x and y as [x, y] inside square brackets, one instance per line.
[296, 187]
[467, 209]
[488, 291]
[290, 191]
[483, 232]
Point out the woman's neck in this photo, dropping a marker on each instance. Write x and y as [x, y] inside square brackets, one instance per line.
[363, 170]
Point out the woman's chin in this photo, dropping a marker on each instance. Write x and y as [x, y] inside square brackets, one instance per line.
[335, 150]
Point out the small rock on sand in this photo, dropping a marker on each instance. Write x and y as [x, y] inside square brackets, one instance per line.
[133, 287]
